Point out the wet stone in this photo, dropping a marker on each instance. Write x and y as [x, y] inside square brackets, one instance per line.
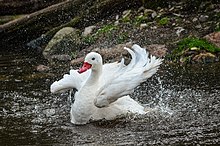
[49, 112]
[203, 18]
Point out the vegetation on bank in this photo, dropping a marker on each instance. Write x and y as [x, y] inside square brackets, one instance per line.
[192, 49]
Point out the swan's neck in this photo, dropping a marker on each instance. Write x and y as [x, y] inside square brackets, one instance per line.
[94, 76]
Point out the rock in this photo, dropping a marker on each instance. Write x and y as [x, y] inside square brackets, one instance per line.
[179, 30]
[214, 38]
[109, 54]
[116, 17]
[143, 25]
[203, 18]
[199, 26]
[195, 19]
[126, 15]
[141, 9]
[195, 49]
[116, 23]
[42, 68]
[49, 112]
[39, 43]
[204, 57]
[115, 53]
[64, 42]
[148, 12]
[154, 14]
[157, 50]
[88, 30]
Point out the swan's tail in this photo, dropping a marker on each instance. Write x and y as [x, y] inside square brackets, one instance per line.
[142, 59]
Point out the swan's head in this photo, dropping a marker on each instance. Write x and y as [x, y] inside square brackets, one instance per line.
[93, 60]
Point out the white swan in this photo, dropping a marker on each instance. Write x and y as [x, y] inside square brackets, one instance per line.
[102, 90]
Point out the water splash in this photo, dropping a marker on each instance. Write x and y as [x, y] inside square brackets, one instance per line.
[163, 97]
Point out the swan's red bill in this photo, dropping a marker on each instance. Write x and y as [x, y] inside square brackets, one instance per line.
[85, 67]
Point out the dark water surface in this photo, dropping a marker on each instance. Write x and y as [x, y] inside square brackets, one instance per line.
[185, 102]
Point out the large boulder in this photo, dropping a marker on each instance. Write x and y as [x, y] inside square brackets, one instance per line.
[63, 45]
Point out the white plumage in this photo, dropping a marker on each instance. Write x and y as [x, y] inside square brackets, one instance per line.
[102, 90]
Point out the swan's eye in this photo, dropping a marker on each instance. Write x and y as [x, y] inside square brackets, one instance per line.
[93, 58]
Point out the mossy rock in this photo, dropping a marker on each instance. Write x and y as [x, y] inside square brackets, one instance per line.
[65, 42]
[195, 50]
[202, 44]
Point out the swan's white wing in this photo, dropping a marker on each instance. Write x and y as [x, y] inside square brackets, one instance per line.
[73, 80]
[124, 79]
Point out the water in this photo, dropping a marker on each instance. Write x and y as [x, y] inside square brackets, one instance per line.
[185, 105]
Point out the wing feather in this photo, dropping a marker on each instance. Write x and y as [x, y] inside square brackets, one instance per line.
[124, 79]
[73, 80]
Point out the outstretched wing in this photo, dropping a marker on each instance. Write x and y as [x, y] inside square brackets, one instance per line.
[73, 80]
[124, 79]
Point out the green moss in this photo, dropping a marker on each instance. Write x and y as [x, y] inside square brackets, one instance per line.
[202, 44]
[106, 29]
[103, 31]
[140, 19]
[164, 21]
[89, 39]
[189, 48]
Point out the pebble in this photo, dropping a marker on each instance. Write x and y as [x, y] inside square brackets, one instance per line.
[154, 14]
[88, 30]
[195, 19]
[49, 112]
[42, 68]
[143, 25]
[198, 26]
[179, 30]
[203, 18]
